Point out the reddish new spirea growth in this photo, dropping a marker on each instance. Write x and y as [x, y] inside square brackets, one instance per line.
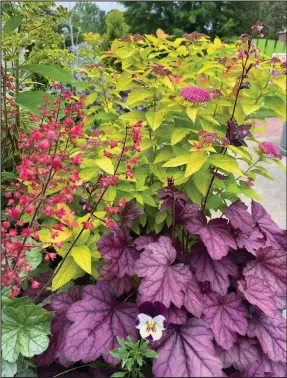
[195, 94]
[270, 149]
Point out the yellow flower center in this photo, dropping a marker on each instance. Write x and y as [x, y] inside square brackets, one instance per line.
[150, 326]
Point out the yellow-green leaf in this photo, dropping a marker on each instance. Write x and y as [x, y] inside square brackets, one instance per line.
[45, 235]
[70, 270]
[192, 112]
[82, 257]
[202, 180]
[224, 162]
[195, 162]
[110, 194]
[139, 95]
[105, 164]
[176, 162]
[154, 119]
[250, 108]
[217, 42]
[178, 134]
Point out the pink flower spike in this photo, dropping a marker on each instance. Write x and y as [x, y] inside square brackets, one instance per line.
[35, 284]
[195, 94]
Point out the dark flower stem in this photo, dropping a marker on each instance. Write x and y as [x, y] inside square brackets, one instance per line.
[173, 220]
[93, 210]
[224, 150]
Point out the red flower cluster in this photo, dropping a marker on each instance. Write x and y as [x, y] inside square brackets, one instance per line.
[195, 95]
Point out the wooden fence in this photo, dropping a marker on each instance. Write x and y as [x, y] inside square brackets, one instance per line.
[270, 46]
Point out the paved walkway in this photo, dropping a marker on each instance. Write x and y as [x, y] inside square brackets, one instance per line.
[273, 192]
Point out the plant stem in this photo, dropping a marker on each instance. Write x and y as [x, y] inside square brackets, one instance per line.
[90, 217]
[67, 371]
[173, 220]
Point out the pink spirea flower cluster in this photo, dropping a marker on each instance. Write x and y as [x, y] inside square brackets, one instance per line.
[270, 149]
[195, 94]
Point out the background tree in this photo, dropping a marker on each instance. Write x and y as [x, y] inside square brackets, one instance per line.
[116, 27]
[225, 19]
[89, 17]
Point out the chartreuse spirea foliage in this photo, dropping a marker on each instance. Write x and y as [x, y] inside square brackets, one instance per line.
[133, 194]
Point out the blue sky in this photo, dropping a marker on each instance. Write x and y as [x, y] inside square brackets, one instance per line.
[105, 5]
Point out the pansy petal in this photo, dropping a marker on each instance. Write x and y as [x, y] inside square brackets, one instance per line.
[148, 308]
[160, 309]
[145, 332]
[142, 320]
[156, 333]
[160, 322]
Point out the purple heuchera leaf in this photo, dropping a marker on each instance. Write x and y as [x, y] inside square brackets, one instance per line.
[176, 315]
[239, 217]
[271, 334]
[97, 321]
[191, 218]
[60, 324]
[251, 242]
[276, 369]
[120, 285]
[255, 369]
[258, 293]
[129, 213]
[33, 293]
[216, 272]
[236, 134]
[142, 241]
[243, 352]
[193, 300]
[275, 236]
[187, 351]
[114, 246]
[162, 281]
[270, 266]
[226, 316]
[217, 238]
[167, 194]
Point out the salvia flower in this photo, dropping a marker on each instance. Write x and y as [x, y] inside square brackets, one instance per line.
[195, 95]
[270, 149]
[151, 321]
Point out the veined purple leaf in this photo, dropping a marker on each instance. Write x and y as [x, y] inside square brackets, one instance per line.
[187, 351]
[276, 369]
[193, 300]
[97, 321]
[176, 315]
[239, 217]
[258, 293]
[33, 293]
[271, 334]
[216, 272]
[162, 281]
[114, 246]
[255, 369]
[142, 241]
[129, 213]
[167, 194]
[251, 242]
[120, 285]
[236, 134]
[270, 266]
[191, 218]
[227, 317]
[217, 238]
[244, 352]
[275, 236]
[60, 324]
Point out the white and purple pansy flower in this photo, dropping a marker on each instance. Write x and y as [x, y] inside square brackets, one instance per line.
[151, 321]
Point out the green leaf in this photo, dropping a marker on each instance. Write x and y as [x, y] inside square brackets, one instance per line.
[210, 119]
[250, 108]
[242, 152]
[9, 369]
[25, 331]
[280, 164]
[110, 194]
[139, 95]
[195, 162]
[54, 72]
[148, 199]
[192, 113]
[154, 119]
[119, 374]
[260, 171]
[70, 270]
[163, 154]
[82, 257]
[251, 193]
[192, 192]
[202, 180]
[133, 116]
[178, 134]
[150, 353]
[105, 164]
[224, 162]
[30, 100]
[178, 161]
[13, 23]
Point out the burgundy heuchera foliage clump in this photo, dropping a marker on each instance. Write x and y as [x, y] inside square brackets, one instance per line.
[224, 297]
